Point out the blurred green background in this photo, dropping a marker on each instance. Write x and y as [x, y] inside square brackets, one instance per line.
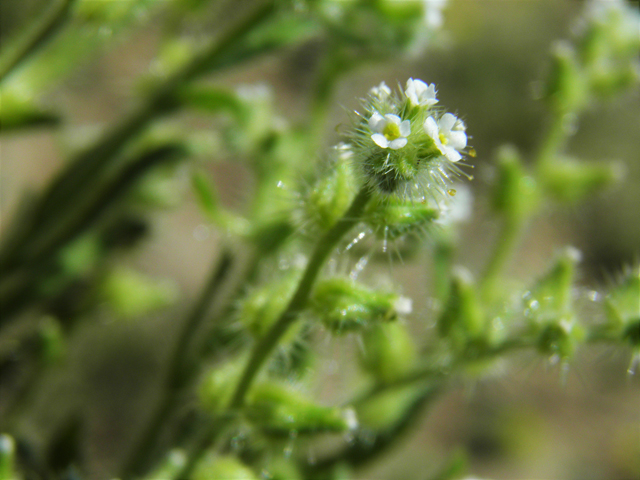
[525, 423]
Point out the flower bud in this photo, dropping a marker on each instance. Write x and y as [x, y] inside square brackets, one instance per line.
[385, 409]
[569, 180]
[261, 308]
[279, 410]
[609, 44]
[222, 467]
[566, 87]
[344, 305]
[131, 294]
[217, 385]
[515, 193]
[330, 197]
[549, 308]
[392, 218]
[388, 352]
[622, 306]
[462, 321]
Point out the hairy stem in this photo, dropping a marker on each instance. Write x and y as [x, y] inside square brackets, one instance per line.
[324, 247]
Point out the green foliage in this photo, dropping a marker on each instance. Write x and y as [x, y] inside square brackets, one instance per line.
[301, 247]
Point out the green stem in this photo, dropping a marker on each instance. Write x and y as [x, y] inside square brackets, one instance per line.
[552, 142]
[324, 247]
[36, 35]
[502, 251]
[178, 374]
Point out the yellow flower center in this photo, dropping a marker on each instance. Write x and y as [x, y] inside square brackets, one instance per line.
[391, 131]
[443, 139]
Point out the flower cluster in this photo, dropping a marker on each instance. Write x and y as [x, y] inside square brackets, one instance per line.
[407, 145]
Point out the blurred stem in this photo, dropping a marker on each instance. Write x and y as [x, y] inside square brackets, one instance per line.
[177, 376]
[502, 251]
[509, 234]
[553, 141]
[34, 36]
[86, 168]
[324, 247]
[359, 453]
[17, 284]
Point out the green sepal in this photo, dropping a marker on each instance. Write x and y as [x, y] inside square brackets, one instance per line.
[569, 180]
[279, 410]
[388, 352]
[345, 306]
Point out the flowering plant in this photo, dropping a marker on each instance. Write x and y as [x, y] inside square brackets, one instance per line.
[302, 355]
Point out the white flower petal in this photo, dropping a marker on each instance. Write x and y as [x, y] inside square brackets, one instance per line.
[391, 118]
[381, 91]
[457, 139]
[397, 143]
[410, 91]
[419, 93]
[429, 96]
[431, 128]
[447, 122]
[380, 140]
[377, 122]
[405, 128]
[451, 153]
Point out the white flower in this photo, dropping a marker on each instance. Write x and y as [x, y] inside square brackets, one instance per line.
[419, 93]
[457, 207]
[389, 131]
[381, 91]
[403, 305]
[448, 134]
[433, 12]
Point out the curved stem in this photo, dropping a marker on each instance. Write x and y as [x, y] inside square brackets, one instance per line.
[35, 36]
[324, 247]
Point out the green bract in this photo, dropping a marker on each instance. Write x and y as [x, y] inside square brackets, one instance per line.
[344, 305]
[280, 410]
